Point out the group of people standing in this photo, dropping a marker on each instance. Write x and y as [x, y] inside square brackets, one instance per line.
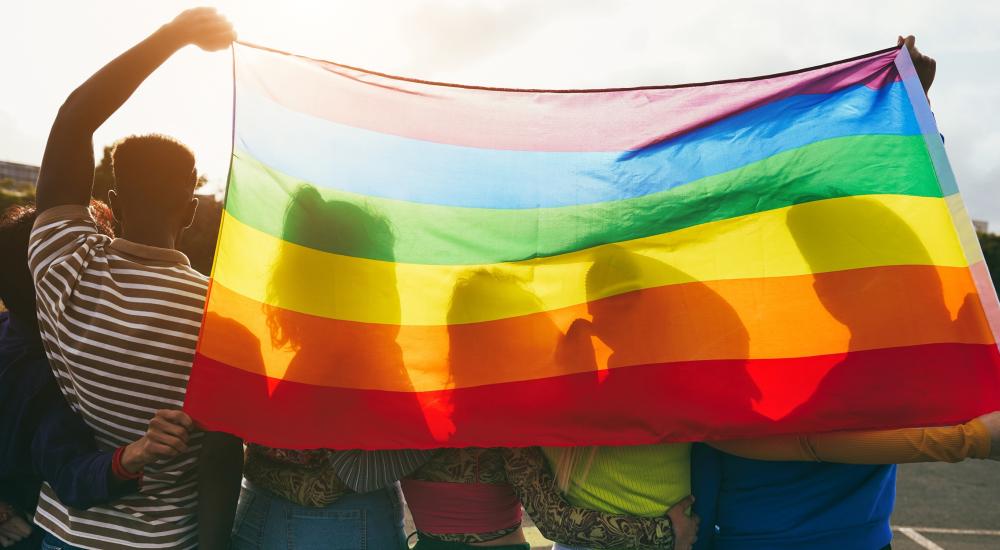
[96, 349]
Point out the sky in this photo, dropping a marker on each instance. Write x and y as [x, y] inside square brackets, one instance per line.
[50, 47]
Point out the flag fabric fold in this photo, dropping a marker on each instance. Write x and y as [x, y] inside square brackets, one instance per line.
[411, 264]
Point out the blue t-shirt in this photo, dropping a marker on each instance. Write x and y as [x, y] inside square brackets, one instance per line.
[756, 505]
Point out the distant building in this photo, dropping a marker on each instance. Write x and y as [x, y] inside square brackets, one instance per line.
[981, 226]
[20, 173]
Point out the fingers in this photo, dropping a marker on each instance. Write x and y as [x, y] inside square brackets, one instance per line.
[170, 429]
[18, 526]
[162, 446]
[168, 434]
[200, 15]
[206, 28]
[178, 417]
[684, 504]
[160, 429]
[13, 531]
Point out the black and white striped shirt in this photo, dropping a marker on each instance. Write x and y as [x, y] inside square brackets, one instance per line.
[120, 321]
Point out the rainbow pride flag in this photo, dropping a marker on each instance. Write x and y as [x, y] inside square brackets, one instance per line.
[411, 264]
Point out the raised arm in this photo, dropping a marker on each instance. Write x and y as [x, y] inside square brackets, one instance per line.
[67, 172]
[942, 444]
[557, 519]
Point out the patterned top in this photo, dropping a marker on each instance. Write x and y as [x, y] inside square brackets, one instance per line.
[318, 477]
[119, 321]
[527, 472]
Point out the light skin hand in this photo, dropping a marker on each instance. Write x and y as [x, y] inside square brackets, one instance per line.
[685, 526]
[926, 66]
[166, 437]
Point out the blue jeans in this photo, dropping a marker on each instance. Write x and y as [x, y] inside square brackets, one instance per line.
[52, 542]
[369, 521]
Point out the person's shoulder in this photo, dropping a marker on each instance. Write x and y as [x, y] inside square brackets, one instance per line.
[193, 278]
[65, 234]
[66, 213]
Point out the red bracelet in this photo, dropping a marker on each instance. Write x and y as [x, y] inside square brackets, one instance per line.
[119, 470]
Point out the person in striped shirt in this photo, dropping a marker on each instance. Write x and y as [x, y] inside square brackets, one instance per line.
[119, 318]
[41, 438]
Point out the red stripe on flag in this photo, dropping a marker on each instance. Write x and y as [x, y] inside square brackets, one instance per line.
[931, 384]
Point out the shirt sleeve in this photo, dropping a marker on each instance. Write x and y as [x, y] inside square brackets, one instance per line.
[558, 520]
[366, 471]
[64, 452]
[941, 444]
[62, 240]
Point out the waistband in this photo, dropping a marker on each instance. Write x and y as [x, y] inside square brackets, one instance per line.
[461, 508]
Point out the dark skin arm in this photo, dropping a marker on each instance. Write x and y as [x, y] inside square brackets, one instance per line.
[220, 472]
[67, 172]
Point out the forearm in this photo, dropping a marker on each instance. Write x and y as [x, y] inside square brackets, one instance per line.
[87, 480]
[941, 444]
[65, 455]
[66, 174]
[94, 101]
[562, 522]
[220, 472]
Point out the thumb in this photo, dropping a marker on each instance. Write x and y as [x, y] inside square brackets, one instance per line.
[683, 504]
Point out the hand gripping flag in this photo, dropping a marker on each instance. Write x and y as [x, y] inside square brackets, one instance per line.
[411, 264]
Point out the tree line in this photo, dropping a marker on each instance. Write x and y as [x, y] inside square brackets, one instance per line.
[198, 242]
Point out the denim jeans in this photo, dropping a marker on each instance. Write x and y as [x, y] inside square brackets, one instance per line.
[52, 542]
[369, 521]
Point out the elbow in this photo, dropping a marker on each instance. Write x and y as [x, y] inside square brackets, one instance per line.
[73, 112]
[74, 497]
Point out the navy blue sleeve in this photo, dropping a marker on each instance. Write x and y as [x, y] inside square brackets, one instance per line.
[64, 452]
[706, 480]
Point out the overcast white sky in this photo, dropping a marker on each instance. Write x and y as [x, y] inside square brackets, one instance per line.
[51, 46]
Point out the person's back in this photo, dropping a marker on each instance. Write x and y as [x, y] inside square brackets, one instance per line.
[758, 505]
[464, 498]
[120, 321]
[120, 317]
[641, 480]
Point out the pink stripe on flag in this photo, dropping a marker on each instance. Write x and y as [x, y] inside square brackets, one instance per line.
[531, 120]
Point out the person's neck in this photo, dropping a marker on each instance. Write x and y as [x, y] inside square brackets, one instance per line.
[159, 239]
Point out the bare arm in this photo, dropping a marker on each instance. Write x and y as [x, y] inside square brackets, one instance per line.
[943, 444]
[220, 470]
[67, 171]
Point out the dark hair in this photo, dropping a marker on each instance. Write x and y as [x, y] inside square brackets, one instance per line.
[17, 290]
[155, 169]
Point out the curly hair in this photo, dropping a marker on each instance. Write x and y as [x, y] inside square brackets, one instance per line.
[17, 290]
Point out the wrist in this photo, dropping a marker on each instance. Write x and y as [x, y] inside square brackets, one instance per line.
[171, 35]
[129, 459]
